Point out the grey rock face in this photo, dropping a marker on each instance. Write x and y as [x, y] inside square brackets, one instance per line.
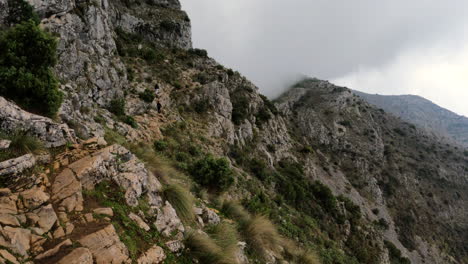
[365, 149]
[86, 54]
[13, 118]
[166, 26]
[46, 8]
[167, 220]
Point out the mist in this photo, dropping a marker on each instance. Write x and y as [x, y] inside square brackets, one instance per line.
[385, 47]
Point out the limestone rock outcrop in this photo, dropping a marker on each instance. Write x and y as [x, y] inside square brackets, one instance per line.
[13, 118]
[106, 246]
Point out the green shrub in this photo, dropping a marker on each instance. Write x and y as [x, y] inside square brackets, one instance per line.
[117, 106]
[160, 145]
[147, 96]
[345, 123]
[129, 120]
[324, 195]
[149, 54]
[240, 109]
[27, 55]
[202, 78]
[214, 173]
[181, 199]
[168, 25]
[259, 169]
[199, 52]
[262, 116]
[395, 254]
[270, 105]
[201, 106]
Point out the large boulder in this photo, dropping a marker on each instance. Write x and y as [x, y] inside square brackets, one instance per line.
[106, 246]
[17, 165]
[13, 118]
[154, 255]
[77, 256]
[66, 191]
[118, 164]
[167, 220]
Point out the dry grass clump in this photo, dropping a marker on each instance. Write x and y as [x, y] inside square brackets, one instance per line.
[21, 144]
[235, 211]
[308, 257]
[261, 234]
[206, 250]
[226, 236]
[298, 255]
[182, 201]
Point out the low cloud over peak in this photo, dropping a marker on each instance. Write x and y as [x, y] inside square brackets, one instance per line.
[390, 47]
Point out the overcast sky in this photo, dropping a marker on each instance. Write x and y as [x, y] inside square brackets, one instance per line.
[387, 47]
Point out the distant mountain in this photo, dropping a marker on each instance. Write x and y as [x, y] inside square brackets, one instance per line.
[423, 113]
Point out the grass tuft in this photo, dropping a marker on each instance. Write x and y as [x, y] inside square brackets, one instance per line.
[182, 201]
[235, 211]
[21, 144]
[225, 235]
[308, 257]
[261, 234]
[206, 250]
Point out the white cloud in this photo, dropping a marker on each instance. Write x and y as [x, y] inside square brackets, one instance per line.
[388, 47]
[437, 73]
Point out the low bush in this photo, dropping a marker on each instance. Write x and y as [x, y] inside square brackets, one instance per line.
[129, 120]
[214, 173]
[395, 254]
[240, 109]
[259, 169]
[160, 145]
[199, 52]
[147, 96]
[117, 106]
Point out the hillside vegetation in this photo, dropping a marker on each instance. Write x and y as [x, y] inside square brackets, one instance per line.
[166, 156]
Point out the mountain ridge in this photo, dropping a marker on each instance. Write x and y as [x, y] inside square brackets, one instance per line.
[424, 113]
[159, 154]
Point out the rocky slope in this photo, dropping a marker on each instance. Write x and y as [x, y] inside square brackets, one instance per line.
[335, 175]
[424, 113]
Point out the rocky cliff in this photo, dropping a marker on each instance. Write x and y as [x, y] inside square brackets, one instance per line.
[161, 155]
